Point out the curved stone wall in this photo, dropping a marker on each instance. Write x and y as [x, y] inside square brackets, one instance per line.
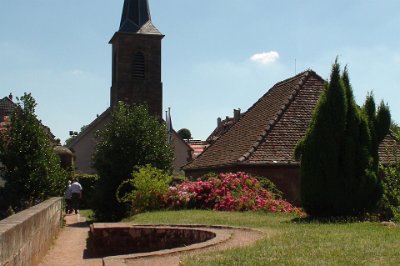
[119, 239]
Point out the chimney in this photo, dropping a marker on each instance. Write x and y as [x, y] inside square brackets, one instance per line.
[10, 96]
[219, 121]
[236, 114]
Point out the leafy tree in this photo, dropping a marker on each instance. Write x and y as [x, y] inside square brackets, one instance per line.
[30, 167]
[132, 139]
[184, 133]
[390, 204]
[338, 173]
[395, 128]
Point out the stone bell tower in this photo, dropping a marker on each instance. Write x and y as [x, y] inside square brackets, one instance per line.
[136, 59]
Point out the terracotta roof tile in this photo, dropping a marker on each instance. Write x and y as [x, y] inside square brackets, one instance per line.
[389, 150]
[277, 120]
[279, 143]
[269, 131]
[6, 107]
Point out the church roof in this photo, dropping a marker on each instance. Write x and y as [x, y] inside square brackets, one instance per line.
[136, 18]
[268, 132]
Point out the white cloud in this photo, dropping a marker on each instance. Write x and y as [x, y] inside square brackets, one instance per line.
[265, 58]
[77, 73]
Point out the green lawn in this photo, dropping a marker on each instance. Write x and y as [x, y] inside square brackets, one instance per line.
[291, 243]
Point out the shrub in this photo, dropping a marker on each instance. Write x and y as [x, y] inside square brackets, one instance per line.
[226, 192]
[149, 184]
[389, 206]
[88, 183]
[270, 186]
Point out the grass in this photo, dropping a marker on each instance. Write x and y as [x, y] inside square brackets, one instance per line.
[291, 243]
[88, 214]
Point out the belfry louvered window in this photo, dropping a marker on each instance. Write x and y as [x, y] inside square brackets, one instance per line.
[138, 66]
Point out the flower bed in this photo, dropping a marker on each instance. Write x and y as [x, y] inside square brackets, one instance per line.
[226, 192]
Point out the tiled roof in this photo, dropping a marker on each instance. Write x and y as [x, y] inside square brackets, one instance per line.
[197, 147]
[389, 150]
[222, 128]
[269, 130]
[6, 107]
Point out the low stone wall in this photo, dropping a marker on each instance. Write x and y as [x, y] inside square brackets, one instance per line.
[26, 236]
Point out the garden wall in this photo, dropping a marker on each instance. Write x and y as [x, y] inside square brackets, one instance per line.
[26, 236]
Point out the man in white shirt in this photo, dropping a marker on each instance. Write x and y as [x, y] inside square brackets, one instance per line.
[68, 199]
[76, 190]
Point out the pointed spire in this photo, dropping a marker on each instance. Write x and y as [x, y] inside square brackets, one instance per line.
[135, 14]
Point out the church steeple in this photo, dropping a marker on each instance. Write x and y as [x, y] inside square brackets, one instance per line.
[136, 15]
[136, 59]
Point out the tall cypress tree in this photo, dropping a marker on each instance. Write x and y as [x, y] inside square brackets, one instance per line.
[339, 153]
[361, 188]
[320, 149]
[379, 122]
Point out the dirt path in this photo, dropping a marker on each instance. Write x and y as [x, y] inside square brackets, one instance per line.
[69, 248]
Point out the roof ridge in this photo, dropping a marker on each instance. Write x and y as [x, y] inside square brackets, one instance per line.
[304, 76]
[89, 127]
[7, 99]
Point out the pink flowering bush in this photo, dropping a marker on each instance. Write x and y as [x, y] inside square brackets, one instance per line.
[226, 192]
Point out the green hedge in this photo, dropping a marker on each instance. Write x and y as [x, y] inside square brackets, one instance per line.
[88, 183]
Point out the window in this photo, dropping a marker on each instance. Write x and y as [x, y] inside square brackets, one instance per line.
[138, 66]
[114, 66]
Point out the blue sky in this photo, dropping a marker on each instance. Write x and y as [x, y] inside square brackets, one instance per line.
[217, 54]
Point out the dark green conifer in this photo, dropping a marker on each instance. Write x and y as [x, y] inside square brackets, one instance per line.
[339, 153]
[321, 147]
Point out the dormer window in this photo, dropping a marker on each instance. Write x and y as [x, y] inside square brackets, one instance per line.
[138, 66]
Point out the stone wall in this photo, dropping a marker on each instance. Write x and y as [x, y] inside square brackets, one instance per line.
[119, 239]
[26, 236]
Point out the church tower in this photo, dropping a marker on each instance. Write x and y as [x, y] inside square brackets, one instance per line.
[136, 59]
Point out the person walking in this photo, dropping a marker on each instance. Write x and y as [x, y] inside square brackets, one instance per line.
[68, 198]
[76, 190]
